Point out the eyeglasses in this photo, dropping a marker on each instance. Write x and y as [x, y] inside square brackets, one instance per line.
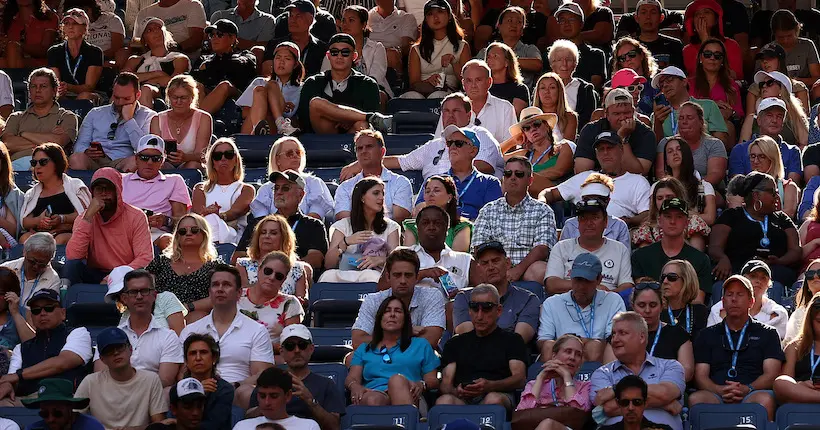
[810, 274]
[301, 343]
[518, 173]
[229, 155]
[484, 306]
[648, 285]
[634, 88]
[568, 20]
[147, 158]
[291, 154]
[35, 263]
[635, 402]
[112, 130]
[180, 98]
[334, 52]
[768, 83]
[48, 309]
[142, 291]
[385, 356]
[761, 157]
[709, 54]
[535, 124]
[41, 162]
[46, 413]
[183, 231]
[629, 55]
[217, 34]
[457, 143]
[283, 188]
[279, 276]
[671, 276]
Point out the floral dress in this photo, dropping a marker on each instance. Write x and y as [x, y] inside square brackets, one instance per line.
[273, 313]
[297, 271]
[648, 234]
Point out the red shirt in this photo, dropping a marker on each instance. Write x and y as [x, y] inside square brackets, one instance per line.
[35, 28]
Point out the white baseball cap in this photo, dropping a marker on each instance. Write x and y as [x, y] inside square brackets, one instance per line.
[655, 3]
[618, 96]
[669, 71]
[770, 102]
[151, 141]
[762, 76]
[186, 390]
[116, 282]
[572, 8]
[296, 330]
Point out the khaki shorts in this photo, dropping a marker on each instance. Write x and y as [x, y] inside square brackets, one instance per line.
[103, 161]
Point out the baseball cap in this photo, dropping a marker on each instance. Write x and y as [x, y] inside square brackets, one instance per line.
[151, 141]
[674, 204]
[290, 46]
[742, 279]
[754, 265]
[437, 4]
[342, 38]
[302, 6]
[771, 49]
[595, 189]
[572, 8]
[607, 137]
[586, 266]
[146, 22]
[111, 336]
[116, 282]
[669, 71]
[223, 25]
[770, 102]
[618, 96]
[77, 15]
[44, 294]
[655, 3]
[493, 245]
[290, 175]
[466, 131]
[626, 77]
[187, 390]
[762, 76]
[56, 390]
[296, 330]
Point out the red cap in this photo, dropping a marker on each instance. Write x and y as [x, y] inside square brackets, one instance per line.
[625, 77]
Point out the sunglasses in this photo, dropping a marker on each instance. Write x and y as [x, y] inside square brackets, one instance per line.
[457, 143]
[147, 158]
[56, 413]
[48, 309]
[535, 124]
[301, 343]
[291, 154]
[648, 285]
[279, 276]
[671, 276]
[635, 402]
[810, 274]
[41, 162]
[709, 54]
[518, 173]
[112, 131]
[634, 88]
[768, 83]
[217, 34]
[628, 56]
[183, 231]
[334, 52]
[229, 155]
[142, 291]
[484, 306]
[385, 356]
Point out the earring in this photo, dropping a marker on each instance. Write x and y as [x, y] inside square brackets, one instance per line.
[754, 205]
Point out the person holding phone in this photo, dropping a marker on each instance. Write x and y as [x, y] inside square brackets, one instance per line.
[800, 381]
[185, 128]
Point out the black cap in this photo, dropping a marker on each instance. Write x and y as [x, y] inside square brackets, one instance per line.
[44, 294]
[590, 205]
[754, 265]
[289, 175]
[487, 246]
[302, 6]
[223, 25]
[342, 38]
[607, 137]
[771, 50]
[437, 4]
[674, 204]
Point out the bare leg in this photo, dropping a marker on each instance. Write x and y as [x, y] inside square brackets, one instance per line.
[535, 272]
[24, 237]
[398, 388]
[163, 241]
[497, 399]
[62, 238]
[449, 399]
[79, 161]
[276, 102]
[374, 398]
[214, 101]
[242, 396]
[549, 424]
[149, 93]
[703, 396]
[765, 399]
[325, 116]
[788, 390]
[594, 350]
[394, 61]
[258, 110]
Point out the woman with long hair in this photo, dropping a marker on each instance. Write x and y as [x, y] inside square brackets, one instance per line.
[796, 384]
[809, 287]
[563, 57]
[394, 368]
[678, 163]
[510, 29]
[223, 199]
[809, 233]
[550, 96]
[274, 99]
[764, 156]
[77, 63]
[11, 200]
[786, 29]
[772, 58]
[714, 81]
[551, 159]
[30, 28]
[649, 232]
[684, 297]
[56, 199]
[703, 20]
[159, 63]
[441, 191]
[202, 355]
[506, 73]
[795, 125]
[187, 126]
[629, 53]
[434, 65]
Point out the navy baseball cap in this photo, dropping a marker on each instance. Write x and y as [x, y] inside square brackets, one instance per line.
[302, 6]
[586, 266]
[44, 294]
[111, 336]
[487, 246]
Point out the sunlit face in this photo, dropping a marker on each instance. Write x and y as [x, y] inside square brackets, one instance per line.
[72, 29]
[40, 90]
[662, 195]
[149, 161]
[709, 57]
[271, 276]
[563, 62]
[814, 281]
[272, 401]
[496, 59]
[199, 358]
[689, 122]
[626, 338]
[569, 25]
[402, 278]
[436, 194]
[673, 223]
[453, 112]
[476, 82]
[672, 289]
[437, 19]
[352, 23]
[760, 282]
[759, 161]
[493, 267]
[153, 36]
[298, 21]
[338, 60]
[609, 156]
[225, 164]
[373, 199]
[283, 62]
[649, 18]
[181, 99]
[674, 155]
[617, 114]
[770, 121]
[511, 26]
[270, 236]
[548, 92]
[41, 172]
[630, 57]
[770, 88]
[368, 151]
[484, 320]
[736, 300]
[591, 224]
[571, 353]
[671, 86]
[465, 153]
[289, 156]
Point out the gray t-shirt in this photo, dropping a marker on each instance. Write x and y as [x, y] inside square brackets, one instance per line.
[798, 60]
[710, 147]
[522, 50]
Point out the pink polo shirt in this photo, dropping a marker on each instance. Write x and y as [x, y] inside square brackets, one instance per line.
[155, 194]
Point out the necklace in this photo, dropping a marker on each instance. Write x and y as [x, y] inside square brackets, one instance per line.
[178, 124]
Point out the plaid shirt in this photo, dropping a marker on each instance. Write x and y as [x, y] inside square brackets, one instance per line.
[521, 228]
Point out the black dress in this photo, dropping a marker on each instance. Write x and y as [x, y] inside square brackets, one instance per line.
[188, 288]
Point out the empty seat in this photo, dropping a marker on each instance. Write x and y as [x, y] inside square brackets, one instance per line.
[254, 149]
[79, 107]
[84, 175]
[190, 176]
[327, 174]
[400, 144]
[85, 293]
[93, 316]
[337, 304]
[24, 180]
[404, 416]
[256, 175]
[341, 290]
[792, 414]
[19, 82]
[415, 122]
[484, 415]
[410, 105]
[331, 336]
[328, 150]
[705, 417]
[415, 178]
[15, 252]
[225, 250]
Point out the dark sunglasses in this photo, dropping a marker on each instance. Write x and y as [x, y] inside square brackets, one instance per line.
[56, 413]
[768, 83]
[279, 276]
[183, 231]
[143, 291]
[518, 173]
[709, 54]
[147, 158]
[41, 162]
[629, 55]
[635, 402]
[217, 34]
[648, 285]
[334, 52]
[385, 356]
[301, 343]
[811, 274]
[535, 124]
[457, 143]
[484, 306]
[112, 130]
[48, 309]
[671, 276]
[227, 154]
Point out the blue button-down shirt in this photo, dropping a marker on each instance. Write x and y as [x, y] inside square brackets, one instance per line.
[474, 192]
[397, 192]
[97, 125]
[739, 163]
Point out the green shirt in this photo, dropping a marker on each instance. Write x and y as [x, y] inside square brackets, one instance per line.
[410, 225]
[711, 114]
[362, 93]
[649, 261]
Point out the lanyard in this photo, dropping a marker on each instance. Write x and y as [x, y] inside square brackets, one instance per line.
[23, 288]
[764, 225]
[674, 321]
[732, 373]
[587, 332]
[296, 224]
[673, 120]
[553, 391]
[532, 154]
[466, 187]
[657, 338]
[76, 65]
[814, 362]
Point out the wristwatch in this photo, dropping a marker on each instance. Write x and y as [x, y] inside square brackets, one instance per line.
[569, 383]
[20, 375]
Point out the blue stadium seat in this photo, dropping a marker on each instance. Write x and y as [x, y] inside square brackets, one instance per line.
[225, 250]
[337, 304]
[404, 416]
[415, 122]
[705, 417]
[19, 82]
[79, 107]
[534, 370]
[794, 413]
[24, 180]
[84, 175]
[337, 372]
[22, 416]
[331, 336]
[341, 290]
[328, 150]
[85, 293]
[15, 252]
[483, 415]
[229, 117]
[533, 287]
[191, 176]
[415, 178]
[409, 105]
[254, 149]
[400, 144]
[93, 316]
[256, 175]
[331, 345]
[237, 415]
[586, 370]
[327, 174]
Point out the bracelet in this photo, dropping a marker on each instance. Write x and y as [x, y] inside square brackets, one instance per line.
[62, 219]
[344, 239]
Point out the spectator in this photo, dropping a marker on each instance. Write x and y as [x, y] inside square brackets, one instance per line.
[506, 75]
[767, 159]
[772, 58]
[761, 30]
[6, 96]
[764, 309]
[665, 377]
[630, 199]
[796, 382]
[456, 109]
[599, 187]
[695, 229]
[370, 151]
[462, 148]
[493, 268]
[186, 21]
[255, 25]
[675, 344]
[793, 128]
[110, 133]
[163, 198]
[361, 242]
[15, 326]
[713, 81]
[79, 80]
[682, 294]
[524, 226]
[734, 192]
[743, 372]
[55, 350]
[12, 201]
[275, 390]
[354, 102]
[202, 354]
[34, 270]
[535, 30]
[679, 163]
[324, 22]
[586, 278]
[187, 404]
[599, 25]
[802, 61]
[668, 239]
[56, 199]
[807, 289]
[581, 95]
[185, 150]
[395, 29]
[167, 311]
[277, 96]
[550, 95]
[484, 365]
[30, 28]
[158, 64]
[43, 121]
[300, 22]
[703, 20]
[155, 349]
[510, 28]
[223, 199]
[121, 395]
[184, 267]
[441, 191]
[435, 64]
[631, 394]
[56, 404]
[110, 233]
[590, 61]
[246, 350]
[394, 368]
[666, 49]
[105, 31]
[633, 66]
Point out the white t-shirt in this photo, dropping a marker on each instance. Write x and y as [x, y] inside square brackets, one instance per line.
[391, 29]
[100, 31]
[6, 90]
[771, 313]
[290, 423]
[7, 424]
[456, 263]
[78, 342]
[497, 115]
[614, 256]
[178, 18]
[631, 196]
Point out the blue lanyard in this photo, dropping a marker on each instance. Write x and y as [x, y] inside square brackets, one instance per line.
[466, 187]
[657, 338]
[732, 373]
[674, 321]
[553, 391]
[296, 224]
[76, 65]
[587, 332]
[764, 225]
[814, 362]
[23, 288]
[532, 154]
[673, 120]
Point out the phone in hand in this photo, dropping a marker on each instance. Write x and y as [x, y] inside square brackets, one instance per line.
[170, 146]
[763, 253]
[464, 384]
[97, 146]
[661, 100]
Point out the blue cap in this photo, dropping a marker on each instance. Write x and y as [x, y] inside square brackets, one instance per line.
[586, 266]
[111, 336]
[466, 131]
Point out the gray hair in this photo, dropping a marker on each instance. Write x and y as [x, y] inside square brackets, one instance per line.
[41, 243]
[486, 289]
[566, 45]
[635, 318]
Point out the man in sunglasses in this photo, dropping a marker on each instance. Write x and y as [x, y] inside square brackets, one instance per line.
[592, 61]
[631, 395]
[599, 187]
[56, 350]
[56, 403]
[665, 378]
[111, 233]
[163, 197]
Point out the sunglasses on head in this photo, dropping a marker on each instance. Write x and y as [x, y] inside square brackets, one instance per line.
[291, 345]
[229, 155]
[629, 55]
[635, 402]
[147, 158]
[46, 413]
[41, 162]
[518, 173]
[279, 276]
[811, 274]
[183, 231]
[334, 52]
[457, 143]
[671, 276]
[112, 130]
[709, 54]
[648, 285]
[484, 306]
[634, 88]
[533, 125]
[49, 309]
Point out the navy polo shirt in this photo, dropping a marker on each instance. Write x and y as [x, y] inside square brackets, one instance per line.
[474, 192]
[760, 342]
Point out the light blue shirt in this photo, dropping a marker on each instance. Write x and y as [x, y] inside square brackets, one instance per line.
[414, 362]
[317, 198]
[616, 229]
[559, 316]
[397, 192]
[97, 125]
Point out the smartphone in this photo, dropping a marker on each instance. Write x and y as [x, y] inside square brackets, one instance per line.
[763, 253]
[815, 379]
[148, 212]
[48, 211]
[661, 100]
[96, 146]
[464, 384]
[170, 146]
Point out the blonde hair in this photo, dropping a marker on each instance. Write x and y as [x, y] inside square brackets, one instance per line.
[689, 279]
[186, 82]
[288, 238]
[513, 68]
[274, 151]
[771, 150]
[238, 169]
[207, 251]
[562, 107]
[598, 178]
[795, 114]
